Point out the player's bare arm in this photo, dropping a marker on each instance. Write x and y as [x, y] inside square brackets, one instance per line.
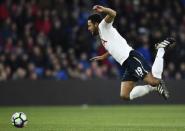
[111, 14]
[102, 57]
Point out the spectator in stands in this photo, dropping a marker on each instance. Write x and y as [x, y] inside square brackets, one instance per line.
[48, 40]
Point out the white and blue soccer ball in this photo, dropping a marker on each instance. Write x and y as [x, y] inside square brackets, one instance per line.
[19, 119]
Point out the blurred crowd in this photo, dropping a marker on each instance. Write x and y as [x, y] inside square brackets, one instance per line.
[48, 39]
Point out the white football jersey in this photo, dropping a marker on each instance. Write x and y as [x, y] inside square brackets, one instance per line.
[113, 42]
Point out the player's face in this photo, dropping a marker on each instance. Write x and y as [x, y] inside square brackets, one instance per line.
[93, 28]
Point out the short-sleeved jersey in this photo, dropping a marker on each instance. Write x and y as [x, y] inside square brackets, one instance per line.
[113, 42]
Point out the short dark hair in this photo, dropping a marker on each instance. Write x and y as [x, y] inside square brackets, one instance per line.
[95, 18]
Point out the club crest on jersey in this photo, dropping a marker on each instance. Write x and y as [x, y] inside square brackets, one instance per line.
[103, 42]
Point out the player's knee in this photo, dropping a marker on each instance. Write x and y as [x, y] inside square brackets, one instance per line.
[151, 80]
[154, 82]
[125, 96]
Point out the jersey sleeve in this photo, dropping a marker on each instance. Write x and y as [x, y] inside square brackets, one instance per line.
[105, 25]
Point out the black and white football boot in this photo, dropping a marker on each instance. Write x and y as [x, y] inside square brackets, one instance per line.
[168, 42]
[162, 90]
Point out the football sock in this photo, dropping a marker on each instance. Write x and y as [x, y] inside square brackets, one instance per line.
[160, 52]
[157, 67]
[139, 91]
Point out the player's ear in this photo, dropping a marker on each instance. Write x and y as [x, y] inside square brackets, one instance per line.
[96, 24]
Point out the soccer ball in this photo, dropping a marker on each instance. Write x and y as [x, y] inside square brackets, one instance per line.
[19, 119]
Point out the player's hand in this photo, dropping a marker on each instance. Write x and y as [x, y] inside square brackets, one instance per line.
[96, 58]
[98, 8]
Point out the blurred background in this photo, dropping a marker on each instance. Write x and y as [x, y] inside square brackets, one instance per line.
[48, 40]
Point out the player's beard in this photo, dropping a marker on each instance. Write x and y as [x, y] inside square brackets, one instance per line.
[95, 33]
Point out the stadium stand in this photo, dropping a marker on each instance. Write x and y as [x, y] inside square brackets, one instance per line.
[48, 39]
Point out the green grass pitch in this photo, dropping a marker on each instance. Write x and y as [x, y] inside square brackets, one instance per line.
[98, 118]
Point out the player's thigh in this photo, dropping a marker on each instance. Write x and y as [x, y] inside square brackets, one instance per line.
[126, 88]
[138, 66]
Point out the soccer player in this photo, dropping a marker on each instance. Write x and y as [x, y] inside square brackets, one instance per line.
[136, 68]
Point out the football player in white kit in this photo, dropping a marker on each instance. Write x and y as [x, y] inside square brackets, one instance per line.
[136, 68]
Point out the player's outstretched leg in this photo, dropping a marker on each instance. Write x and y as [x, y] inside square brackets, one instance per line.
[157, 67]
